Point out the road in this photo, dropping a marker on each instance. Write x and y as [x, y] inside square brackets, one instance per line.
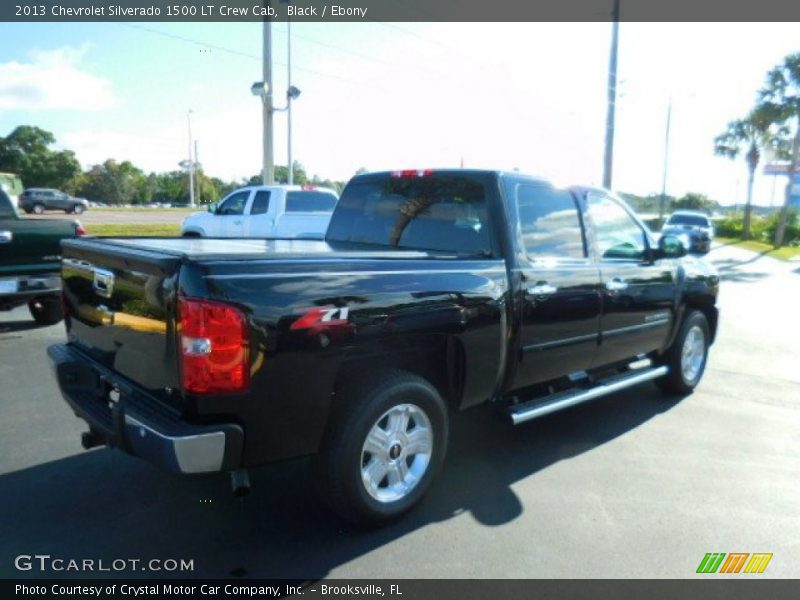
[631, 486]
[95, 216]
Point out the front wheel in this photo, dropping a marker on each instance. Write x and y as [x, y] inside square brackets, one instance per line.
[687, 356]
[78, 209]
[38, 209]
[46, 311]
[383, 447]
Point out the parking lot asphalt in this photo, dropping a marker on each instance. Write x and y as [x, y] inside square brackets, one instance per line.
[632, 485]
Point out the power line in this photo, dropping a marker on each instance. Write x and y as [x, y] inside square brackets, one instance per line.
[240, 54]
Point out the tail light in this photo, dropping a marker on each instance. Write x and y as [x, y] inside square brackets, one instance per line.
[214, 347]
[80, 229]
[406, 173]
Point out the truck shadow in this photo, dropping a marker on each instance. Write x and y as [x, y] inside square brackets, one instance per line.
[18, 326]
[104, 504]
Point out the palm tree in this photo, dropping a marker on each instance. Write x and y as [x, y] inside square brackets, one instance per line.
[751, 135]
[781, 96]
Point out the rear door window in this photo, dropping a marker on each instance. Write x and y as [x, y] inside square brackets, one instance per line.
[260, 203]
[308, 201]
[549, 222]
[434, 212]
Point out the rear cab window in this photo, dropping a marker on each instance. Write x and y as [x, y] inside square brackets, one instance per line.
[437, 212]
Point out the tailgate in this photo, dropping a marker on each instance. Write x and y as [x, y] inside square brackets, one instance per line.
[120, 303]
[33, 246]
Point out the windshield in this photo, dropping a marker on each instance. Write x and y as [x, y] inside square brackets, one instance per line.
[435, 212]
[694, 220]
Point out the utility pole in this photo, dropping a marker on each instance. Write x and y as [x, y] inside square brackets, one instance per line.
[196, 165]
[290, 164]
[268, 168]
[191, 163]
[608, 161]
[663, 200]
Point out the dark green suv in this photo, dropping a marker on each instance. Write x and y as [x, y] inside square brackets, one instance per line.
[37, 200]
[30, 262]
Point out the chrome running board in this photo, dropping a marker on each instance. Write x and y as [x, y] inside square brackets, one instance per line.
[555, 402]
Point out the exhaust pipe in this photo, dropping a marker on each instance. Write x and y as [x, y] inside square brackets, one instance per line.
[240, 481]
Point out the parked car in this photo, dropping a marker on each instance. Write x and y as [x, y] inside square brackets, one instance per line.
[433, 291]
[37, 200]
[266, 211]
[695, 228]
[30, 262]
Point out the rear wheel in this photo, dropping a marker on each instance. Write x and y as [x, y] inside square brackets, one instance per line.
[38, 209]
[687, 356]
[78, 209]
[384, 445]
[46, 311]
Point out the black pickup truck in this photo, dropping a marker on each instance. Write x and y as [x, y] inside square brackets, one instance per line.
[434, 291]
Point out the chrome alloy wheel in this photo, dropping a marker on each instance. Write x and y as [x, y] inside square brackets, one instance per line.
[693, 354]
[396, 453]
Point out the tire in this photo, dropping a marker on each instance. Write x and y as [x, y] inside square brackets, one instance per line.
[354, 454]
[191, 234]
[46, 311]
[78, 209]
[38, 208]
[687, 356]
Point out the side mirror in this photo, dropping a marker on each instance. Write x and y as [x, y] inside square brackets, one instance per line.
[671, 246]
[212, 208]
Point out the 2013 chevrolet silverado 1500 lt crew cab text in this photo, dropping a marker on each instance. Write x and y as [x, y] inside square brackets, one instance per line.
[433, 291]
[30, 255]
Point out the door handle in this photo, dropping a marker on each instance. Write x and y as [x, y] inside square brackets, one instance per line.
[616, 285]
[6, 237]
[542, 288]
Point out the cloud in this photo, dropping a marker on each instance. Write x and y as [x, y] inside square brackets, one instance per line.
[53, 79]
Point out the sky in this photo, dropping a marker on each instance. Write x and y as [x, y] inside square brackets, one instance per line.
[527, 96]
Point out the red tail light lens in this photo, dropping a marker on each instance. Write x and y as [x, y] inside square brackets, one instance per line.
[80, 230]
[214, 348]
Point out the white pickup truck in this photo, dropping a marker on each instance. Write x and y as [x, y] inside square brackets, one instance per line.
[266, 211]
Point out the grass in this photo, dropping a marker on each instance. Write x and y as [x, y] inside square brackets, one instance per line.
[785, 253]
[127, 230]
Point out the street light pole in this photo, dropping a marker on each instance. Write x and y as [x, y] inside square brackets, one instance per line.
[268, 167]
[663, 200]
[191, 162]
[290, 165]
[608, 161]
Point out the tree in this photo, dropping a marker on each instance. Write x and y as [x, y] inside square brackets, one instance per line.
[26, 151]
[752, 135]
[695, 201]
[781, 96]
[112, 182]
